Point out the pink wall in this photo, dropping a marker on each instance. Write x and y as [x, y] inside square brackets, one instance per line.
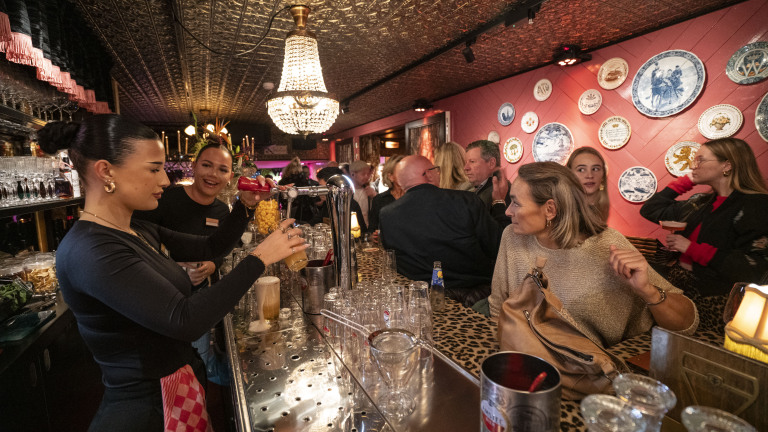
[713, 38]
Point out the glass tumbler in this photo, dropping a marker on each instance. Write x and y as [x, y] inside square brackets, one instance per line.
[705, 419]
[649, 396]
[604, 413]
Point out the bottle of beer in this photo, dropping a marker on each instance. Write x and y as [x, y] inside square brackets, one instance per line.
[437, 288]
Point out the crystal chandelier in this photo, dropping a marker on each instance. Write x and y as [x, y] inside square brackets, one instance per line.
[302, 105]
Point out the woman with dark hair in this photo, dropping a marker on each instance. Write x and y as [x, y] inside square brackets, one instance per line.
[726, 235]
[603, 281]
[134, 305]
[195, 209]
[589, 166]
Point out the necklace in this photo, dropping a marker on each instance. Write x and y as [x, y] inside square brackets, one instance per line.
[129, 231]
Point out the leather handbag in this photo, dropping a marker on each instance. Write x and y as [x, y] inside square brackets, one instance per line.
[533, 321]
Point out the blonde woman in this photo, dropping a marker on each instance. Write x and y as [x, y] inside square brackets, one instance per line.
[589, 166]
[603, 281]
[389, 196]
[450, 158]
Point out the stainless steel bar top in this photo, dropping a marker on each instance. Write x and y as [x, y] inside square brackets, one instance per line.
[289, 378]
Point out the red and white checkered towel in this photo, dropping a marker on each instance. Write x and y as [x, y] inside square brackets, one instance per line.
[184, 402]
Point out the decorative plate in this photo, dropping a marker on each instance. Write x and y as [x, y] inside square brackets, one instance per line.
[513, 150]
[749, 64]
[679, 157]
[613, 73]
[506, 114]
[590, 102]
[529, 122]
[542, 90]
[761, 118]
[668, 83]
[494, 136]
[637, 184]
[614, 133]
[553, 142]
[720, 121]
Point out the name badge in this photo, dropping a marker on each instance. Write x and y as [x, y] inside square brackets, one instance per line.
[211, 222]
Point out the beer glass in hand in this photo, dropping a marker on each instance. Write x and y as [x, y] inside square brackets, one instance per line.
[672, 227]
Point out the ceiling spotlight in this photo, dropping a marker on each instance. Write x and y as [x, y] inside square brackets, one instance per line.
[569, 55]
[421, 105]
[345, 107]
[469, 56]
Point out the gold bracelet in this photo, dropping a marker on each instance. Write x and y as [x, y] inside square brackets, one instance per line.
[663, 297]
[502, 202]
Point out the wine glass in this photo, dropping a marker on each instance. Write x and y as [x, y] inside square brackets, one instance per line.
[705, 419]
[396, 354]
[70, 108]
[652, 398]
[604, 413]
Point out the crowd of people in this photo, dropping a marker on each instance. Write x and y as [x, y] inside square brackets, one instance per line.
[138, 269]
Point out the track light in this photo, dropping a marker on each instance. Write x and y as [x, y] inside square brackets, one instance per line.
[469, 56]
[345, 107]
[421, 105]
[569, 55]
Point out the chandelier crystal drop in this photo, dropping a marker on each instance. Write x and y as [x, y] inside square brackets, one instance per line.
[302, 105]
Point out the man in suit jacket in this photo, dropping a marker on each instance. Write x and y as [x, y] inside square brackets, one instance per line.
[483, 168]
[429, 224]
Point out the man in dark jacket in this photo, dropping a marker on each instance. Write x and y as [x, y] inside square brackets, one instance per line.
[482, 164]
[429, 224]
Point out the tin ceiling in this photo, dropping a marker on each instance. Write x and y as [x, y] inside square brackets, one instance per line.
[174, 57]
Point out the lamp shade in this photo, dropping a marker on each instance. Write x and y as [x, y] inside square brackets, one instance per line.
[747, 333]
[302, 105]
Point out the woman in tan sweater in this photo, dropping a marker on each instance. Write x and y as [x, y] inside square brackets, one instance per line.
[602, 280]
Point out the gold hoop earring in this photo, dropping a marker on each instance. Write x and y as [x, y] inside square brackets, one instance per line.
[549, 223]
[726, 173]
[602, 187]
[110, 187]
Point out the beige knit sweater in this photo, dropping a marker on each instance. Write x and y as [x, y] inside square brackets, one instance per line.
[602, 302]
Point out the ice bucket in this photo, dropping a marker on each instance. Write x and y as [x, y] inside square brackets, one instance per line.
[320, 279]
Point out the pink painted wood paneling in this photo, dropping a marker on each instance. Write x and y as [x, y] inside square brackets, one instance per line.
[713, 38]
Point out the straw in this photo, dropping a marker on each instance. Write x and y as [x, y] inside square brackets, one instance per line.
[344, 321]
[537, 382]
[328, 257]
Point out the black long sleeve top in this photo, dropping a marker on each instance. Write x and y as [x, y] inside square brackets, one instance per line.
[737, 228]
[133, 305]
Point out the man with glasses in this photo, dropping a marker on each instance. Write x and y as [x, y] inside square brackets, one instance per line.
[482, 164]
[429, 224]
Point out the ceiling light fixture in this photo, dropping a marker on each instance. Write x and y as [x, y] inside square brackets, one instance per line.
[345, 108]
[302, 105]
[421, 105]
[190, 130]
[469, 56]
[569, 55]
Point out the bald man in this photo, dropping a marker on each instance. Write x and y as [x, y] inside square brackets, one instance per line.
[429, 224]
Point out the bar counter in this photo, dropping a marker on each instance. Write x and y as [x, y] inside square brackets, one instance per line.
[282, 378]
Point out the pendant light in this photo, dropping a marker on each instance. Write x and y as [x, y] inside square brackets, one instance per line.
[302, 105]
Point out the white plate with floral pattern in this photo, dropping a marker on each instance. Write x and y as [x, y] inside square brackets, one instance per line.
[529, 122]
[679, 157]
[720, 121]
[513, 150]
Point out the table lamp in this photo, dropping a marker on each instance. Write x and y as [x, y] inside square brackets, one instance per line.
[747, 333]
[355, 226]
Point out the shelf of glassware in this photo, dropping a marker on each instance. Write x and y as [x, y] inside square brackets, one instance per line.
[37, 206]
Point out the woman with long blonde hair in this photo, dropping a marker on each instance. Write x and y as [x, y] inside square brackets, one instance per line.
[450, 158]
[725, 239]
[589, 166]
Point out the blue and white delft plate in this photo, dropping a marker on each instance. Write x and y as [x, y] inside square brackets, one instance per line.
[506, 114]
[637, 184]
[668, 83]
[553, 142]
[761, 118]
[749, 64]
